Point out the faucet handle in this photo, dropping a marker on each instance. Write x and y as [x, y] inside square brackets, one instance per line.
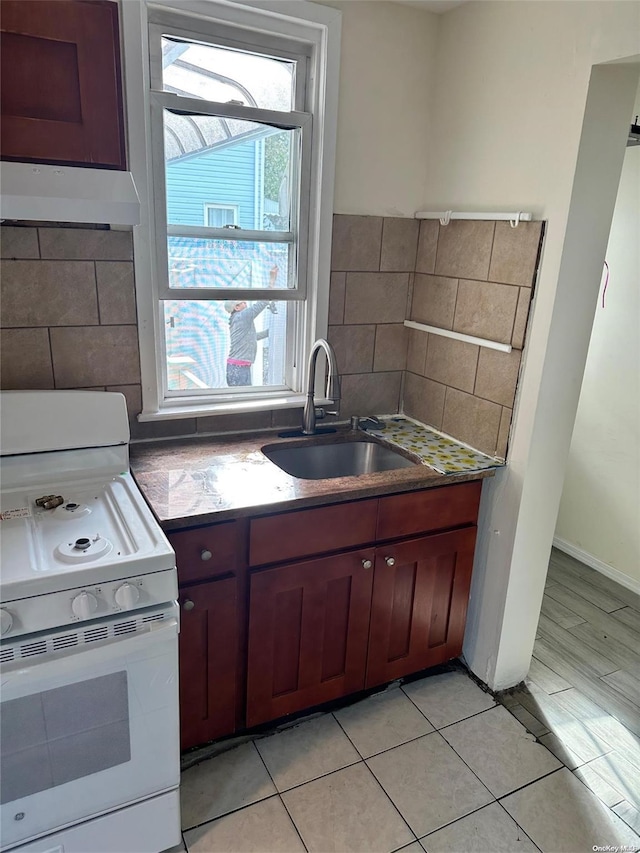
[368, 422]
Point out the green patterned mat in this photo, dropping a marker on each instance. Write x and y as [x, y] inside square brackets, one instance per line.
[441, 453]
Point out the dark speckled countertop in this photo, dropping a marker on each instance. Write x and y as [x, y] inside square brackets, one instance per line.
[196, 481]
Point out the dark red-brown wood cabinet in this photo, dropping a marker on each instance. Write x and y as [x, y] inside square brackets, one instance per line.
[308, 634]
[61, 88]
[208, 660]
[289, 610]
[323, 628]
[211, 590]
[419, 606]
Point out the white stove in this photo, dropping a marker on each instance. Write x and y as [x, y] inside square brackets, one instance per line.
[89, 624]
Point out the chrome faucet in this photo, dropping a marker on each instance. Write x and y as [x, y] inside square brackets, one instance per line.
[312, 408]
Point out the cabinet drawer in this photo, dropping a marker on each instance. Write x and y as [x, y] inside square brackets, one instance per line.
[428, 510]
[206, 552]
[277, 538]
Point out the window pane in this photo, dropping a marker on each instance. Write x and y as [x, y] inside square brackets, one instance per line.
[226, 344]
[197, 262]
[229, 163]
[223, 74]
[216, 216]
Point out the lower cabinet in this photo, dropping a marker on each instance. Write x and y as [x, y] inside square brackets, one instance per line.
[208, 660]
[325, 628]
[308, 633]
[289, 610]
[419, 604]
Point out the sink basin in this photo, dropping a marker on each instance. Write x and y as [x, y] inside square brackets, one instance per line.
[338, 459]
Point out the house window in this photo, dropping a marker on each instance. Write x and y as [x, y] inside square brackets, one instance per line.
[219, 215]
[237, 295]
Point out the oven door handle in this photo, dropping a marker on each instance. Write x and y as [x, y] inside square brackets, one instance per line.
[62, 663]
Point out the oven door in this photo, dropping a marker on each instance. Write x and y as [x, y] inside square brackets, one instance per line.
[91, 727]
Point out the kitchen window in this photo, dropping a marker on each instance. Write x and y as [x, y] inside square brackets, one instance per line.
[232, 264]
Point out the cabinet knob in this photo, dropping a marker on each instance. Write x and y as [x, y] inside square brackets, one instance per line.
[188, 604]
[366, 564]
[205, 555]
[390, 561]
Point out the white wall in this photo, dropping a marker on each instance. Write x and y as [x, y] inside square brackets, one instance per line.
[511, 91]
[386, 79]
[600, 507]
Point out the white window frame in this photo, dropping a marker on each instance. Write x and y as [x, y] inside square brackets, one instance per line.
[209, 205]
[317, 28]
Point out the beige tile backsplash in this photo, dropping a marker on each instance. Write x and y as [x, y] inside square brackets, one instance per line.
[90, 244]
[486, 310]
[515, 253]
[25, 358]
[372, 264]
[464, 249]
[399, 245]
[451, 362]
[483, 285]
[427, 246]
[69, 320]
[434, 300]
[376, 297]
[356, 243]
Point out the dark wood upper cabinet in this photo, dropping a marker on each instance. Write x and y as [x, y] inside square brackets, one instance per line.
[61, 88]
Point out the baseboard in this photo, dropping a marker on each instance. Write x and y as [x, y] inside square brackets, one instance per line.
[598, 565]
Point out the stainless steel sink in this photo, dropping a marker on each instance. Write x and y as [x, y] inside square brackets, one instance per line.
[336, 459]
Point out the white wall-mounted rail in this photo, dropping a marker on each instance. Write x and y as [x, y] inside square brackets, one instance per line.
[458, 336]
[445, 216]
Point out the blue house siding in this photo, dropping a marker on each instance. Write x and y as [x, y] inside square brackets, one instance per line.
[224, 176]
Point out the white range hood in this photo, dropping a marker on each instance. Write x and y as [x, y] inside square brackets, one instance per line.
[35, 191]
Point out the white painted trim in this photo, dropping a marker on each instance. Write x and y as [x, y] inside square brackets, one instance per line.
[457, 336]
[136, 85]
[305, 22]
[594, 563]
[518, 216]
[206, 408]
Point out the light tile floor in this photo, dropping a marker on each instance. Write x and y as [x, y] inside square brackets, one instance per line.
[434, 765]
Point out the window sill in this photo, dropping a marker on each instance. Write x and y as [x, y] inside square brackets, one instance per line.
[204, 410]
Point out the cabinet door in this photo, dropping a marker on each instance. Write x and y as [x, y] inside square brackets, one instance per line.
[419, 604]
[61, 88]
[208, 660]
[308, 630]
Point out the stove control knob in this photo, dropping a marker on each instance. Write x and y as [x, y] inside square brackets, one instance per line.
[127, 596]
[6, 622]
[84, 605]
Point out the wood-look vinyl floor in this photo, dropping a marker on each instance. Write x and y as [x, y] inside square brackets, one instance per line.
[582, 694]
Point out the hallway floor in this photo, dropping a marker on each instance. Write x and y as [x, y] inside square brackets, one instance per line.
[582, 695]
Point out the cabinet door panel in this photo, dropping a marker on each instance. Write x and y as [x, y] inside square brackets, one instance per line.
[61, 88]
[419, 604]
[208, 661]
[308, 630]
